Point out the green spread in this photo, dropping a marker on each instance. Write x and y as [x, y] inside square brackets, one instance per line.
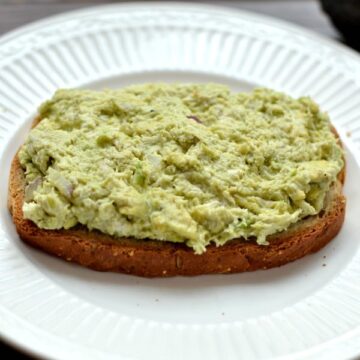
[183, 163]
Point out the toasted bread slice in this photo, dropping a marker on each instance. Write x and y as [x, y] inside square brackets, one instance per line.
[151, 258]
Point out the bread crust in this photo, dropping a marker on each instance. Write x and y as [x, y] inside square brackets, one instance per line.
[150, 258]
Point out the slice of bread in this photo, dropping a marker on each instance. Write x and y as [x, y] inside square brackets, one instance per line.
[151, 258]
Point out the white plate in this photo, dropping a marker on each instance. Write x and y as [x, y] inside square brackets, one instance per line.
[59, 310]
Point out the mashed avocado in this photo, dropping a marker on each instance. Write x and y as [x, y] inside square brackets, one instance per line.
[184, 163]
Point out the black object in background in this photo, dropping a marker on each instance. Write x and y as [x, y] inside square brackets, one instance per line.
[345, 15]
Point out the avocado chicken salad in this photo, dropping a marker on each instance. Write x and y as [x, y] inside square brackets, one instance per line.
[188, 163]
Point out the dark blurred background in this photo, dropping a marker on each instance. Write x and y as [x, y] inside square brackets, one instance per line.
[335, 19]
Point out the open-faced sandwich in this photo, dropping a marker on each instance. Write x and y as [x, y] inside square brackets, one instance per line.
[185, 179]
